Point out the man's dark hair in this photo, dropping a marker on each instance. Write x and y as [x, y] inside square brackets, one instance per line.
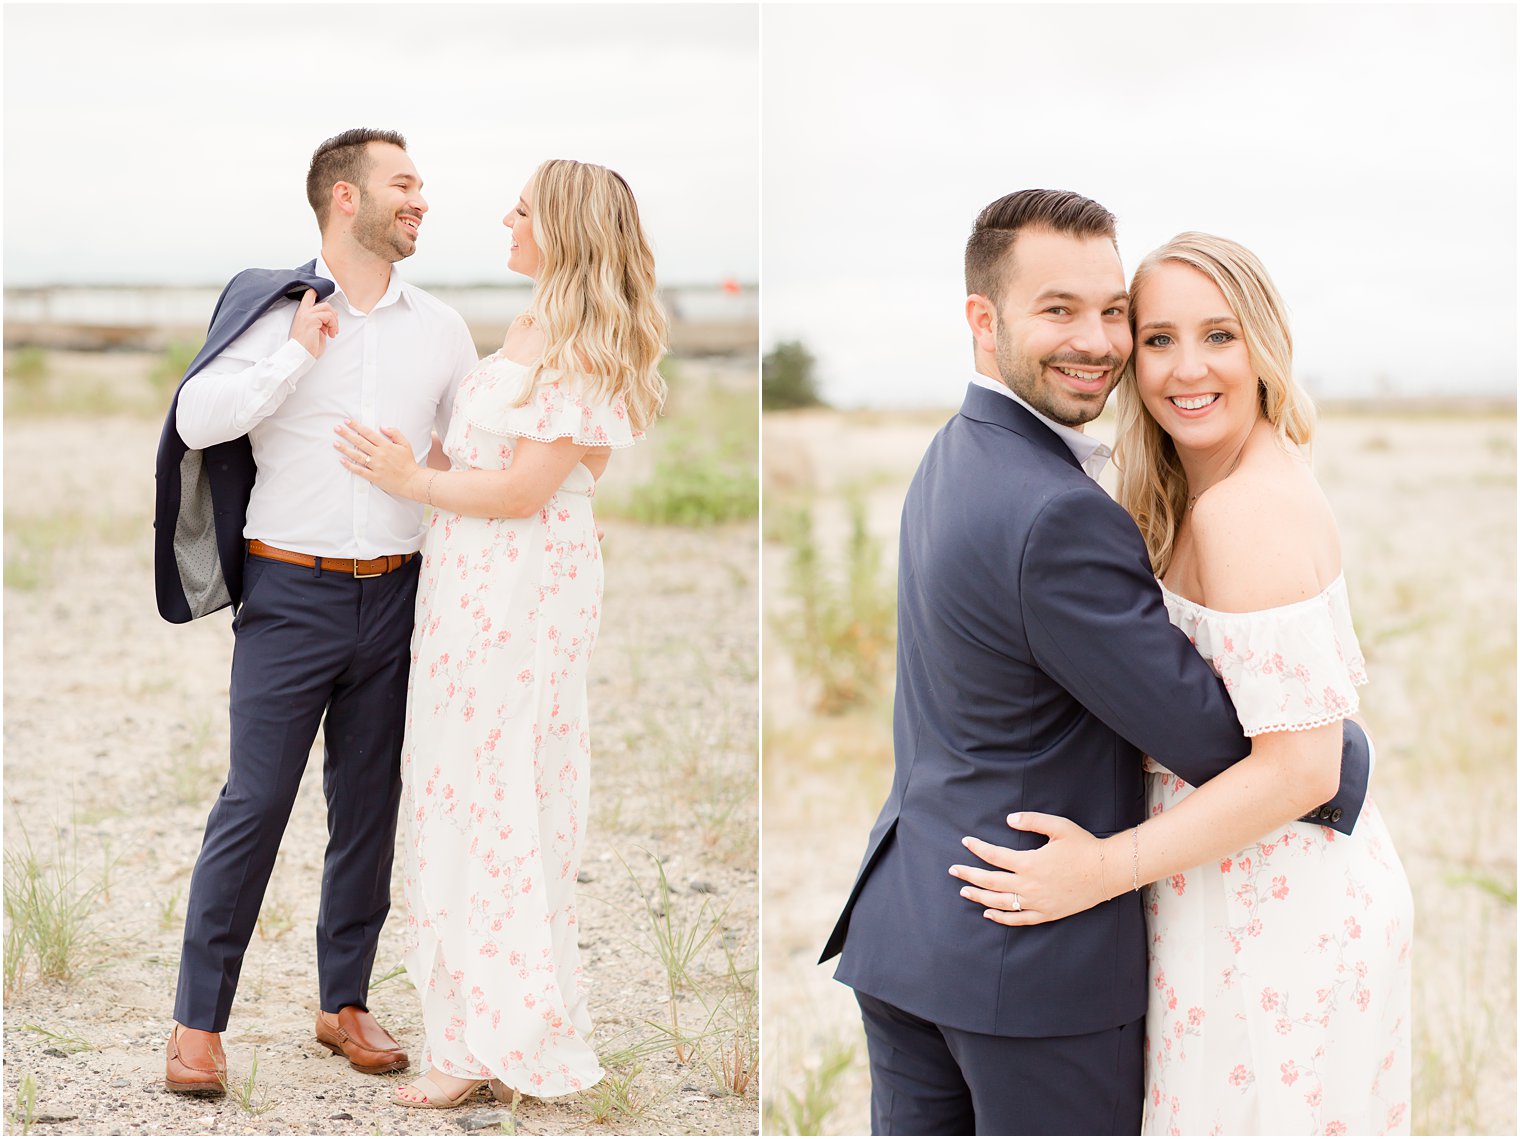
[996, 227]
[342, 158]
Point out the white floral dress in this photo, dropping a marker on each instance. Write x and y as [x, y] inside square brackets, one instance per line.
[496, 760]
[1279, 999]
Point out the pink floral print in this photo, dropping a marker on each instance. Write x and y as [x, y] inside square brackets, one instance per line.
[1287, 669]
[1274, 1008]
[497, 756]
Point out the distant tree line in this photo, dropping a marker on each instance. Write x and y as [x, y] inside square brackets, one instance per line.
[787, 378]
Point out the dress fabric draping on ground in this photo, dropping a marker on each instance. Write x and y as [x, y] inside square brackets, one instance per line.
[1280, 976]
[497, 756]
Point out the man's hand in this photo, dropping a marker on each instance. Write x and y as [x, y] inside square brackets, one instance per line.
[314, 324]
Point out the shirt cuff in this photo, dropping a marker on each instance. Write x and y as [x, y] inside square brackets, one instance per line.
[280, 372]
[292, 360]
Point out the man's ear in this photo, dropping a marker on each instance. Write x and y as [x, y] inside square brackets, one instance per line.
[345, 198]
[981, 315]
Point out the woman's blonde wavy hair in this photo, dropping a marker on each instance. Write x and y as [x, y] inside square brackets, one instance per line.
[594, 296]
[1152, 486]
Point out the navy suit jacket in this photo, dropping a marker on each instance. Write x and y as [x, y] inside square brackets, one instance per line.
[202, 498]
[1035, 666]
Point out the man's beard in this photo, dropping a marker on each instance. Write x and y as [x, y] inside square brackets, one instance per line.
[1026, 377]
[377, 232]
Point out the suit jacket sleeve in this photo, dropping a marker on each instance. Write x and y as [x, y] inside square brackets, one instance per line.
[1096, 624]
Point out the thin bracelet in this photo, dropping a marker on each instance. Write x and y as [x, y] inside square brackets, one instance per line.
[1134, 858]
[1102, 878]
[431, 477]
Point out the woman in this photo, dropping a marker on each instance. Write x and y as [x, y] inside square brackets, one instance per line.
[496, 759]
[1279, 999]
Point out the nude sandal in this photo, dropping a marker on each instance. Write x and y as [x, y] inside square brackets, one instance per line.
[432, 1094]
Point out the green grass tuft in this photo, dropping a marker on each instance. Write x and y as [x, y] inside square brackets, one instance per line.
[23, 1112]
[706, 462]
[247, 1093]
[28, 367]
[613, 1099]
[804, 1112]
[171, 367]
[50, 909]
[841, 632]
[59, 1040]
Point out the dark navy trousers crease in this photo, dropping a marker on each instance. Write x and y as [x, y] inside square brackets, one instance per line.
[312, 648]
[929, 1079]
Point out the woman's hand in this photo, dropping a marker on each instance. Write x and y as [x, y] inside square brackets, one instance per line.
[382, 457]
[1067, 875]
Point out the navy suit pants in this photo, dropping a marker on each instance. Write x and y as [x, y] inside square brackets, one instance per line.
[312, 648]
[928, 1079]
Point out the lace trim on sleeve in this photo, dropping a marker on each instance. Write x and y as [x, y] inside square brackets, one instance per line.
[1288, 669]
[559, 408]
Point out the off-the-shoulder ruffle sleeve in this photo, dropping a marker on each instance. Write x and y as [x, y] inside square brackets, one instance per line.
[561, 407]
[1287, 669]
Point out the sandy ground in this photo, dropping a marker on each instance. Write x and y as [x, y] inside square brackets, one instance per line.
[116, 736]
[1427, 512]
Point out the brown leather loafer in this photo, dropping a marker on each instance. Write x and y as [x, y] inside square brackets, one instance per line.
[196, 1063]
[354, 1033]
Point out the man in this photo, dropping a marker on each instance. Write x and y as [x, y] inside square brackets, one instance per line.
[1035, 665]
[326, 590]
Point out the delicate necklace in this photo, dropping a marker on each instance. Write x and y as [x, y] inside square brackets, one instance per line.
[1194, 498]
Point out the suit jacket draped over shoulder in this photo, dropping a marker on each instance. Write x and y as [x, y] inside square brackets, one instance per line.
[202, 497]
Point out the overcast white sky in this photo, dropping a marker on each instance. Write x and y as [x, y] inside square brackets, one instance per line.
[1365, 152]
[169, 143]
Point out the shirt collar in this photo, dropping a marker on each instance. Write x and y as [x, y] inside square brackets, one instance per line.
[395, 291]
[1091, 454]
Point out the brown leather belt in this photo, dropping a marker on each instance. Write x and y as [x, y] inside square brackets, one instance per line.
[360, 567]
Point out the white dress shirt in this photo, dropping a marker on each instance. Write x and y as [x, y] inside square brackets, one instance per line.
[1092, 455]
[397, 365]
